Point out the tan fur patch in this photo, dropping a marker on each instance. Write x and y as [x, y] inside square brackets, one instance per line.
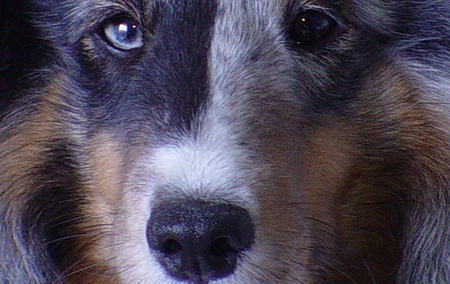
[307, 167]
[103, 189]
[107, 163]
[23, 144]
[327, 158]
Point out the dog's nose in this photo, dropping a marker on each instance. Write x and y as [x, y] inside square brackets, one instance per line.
[199, 241]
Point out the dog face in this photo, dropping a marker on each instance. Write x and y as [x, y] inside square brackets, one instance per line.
[218, 142]
[217, 122]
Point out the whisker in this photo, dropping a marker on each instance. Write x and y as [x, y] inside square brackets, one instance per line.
[372, 278]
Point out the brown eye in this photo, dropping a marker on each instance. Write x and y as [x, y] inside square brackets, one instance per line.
[311, 28]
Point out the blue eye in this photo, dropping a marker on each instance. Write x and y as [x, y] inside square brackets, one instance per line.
[123, 33]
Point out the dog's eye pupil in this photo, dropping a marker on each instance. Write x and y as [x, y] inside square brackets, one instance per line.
[123, 33]
[310, 28]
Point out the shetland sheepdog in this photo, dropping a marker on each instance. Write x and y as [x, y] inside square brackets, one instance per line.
[227, 142]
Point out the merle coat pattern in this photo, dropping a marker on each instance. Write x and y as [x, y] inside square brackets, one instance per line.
[214, 141]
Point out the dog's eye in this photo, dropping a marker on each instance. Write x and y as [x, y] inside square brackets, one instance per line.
[123, 33]
[311, 27]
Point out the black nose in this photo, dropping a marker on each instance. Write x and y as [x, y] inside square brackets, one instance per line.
[199, 241]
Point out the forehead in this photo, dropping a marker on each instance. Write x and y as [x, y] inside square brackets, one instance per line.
[84, 13]
[83, 7]
[373, 12]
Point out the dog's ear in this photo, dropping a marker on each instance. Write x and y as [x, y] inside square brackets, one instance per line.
[22, 50]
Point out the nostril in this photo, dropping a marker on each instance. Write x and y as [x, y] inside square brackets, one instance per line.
[221, 247]
[170, 246]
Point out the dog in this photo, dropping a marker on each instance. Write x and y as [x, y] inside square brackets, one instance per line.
[213, 141]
